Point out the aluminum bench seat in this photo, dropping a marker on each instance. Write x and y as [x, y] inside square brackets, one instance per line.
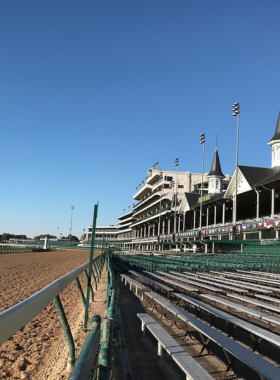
[273, 275]
[218, 284]
[195, 283]
[235, 321]
[254, 361]
[256, 279]
[245, 285]
[168, 281]
[271, 299]
[149, 280]
[135, 283]
[272, 320]
[255, 302]
[192, 369]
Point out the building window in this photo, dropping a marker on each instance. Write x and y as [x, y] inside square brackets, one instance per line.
[180, 186]
[168, 178]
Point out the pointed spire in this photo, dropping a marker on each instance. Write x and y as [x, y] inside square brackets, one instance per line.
[277, 130]
[216, 166]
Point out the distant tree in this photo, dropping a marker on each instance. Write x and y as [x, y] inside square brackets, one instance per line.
[73, 238]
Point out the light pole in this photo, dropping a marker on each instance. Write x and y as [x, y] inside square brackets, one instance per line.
[72, 208]
[160, 178]
[235, 109]
[202, 141]
[176, 163]
[171, 185]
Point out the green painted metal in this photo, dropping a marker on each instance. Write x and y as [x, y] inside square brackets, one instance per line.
[67, 331]
[105, 355]
[95, 265]
[91, 290]
[86, 366]
[90, 265]
[80, 290]
[94, 278]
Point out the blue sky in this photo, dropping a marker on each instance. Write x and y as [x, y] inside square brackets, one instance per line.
[93, 92]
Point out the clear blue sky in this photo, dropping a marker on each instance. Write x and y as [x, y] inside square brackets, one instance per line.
[93, 92]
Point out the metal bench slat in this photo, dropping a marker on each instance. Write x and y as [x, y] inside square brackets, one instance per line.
[244, 309]
[254, 361]
[136, 283]
[246, 285]
[175, 350]
[259, 331]
[167, 288]
[255, 302]
[172, 282]
[212, 288]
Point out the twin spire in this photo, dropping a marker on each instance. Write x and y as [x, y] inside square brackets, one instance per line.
[216, 170]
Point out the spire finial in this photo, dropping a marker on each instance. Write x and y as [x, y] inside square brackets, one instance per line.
[216, 142]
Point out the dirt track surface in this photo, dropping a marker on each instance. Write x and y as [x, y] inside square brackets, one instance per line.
[26, 355]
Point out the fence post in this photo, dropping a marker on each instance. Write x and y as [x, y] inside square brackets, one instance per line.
[67, 331]
[90, 264]
[105, 355]
[91, 290]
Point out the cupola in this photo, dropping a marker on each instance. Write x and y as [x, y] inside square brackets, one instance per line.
[275, 145]
[215, 176]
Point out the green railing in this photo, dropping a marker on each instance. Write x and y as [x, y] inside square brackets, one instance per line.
[17, 316]
[96, 358]
[109, 331]
[267, 262]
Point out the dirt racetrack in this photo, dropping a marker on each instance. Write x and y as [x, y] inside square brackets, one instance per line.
[28, 354]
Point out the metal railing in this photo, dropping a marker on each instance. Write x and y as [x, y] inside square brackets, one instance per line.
[96, 358]
[17, 316]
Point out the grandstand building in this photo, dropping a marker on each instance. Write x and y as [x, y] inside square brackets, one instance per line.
[167, 215]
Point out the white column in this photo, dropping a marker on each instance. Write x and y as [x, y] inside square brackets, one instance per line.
[168, 230]
[260, 234]
[163, 226]
[272, 202]
[149, 230]
[224, 213]
[194, 219]
[215, 214]
[258, 205]
[207, 216]
[179, 223]
[184, 221]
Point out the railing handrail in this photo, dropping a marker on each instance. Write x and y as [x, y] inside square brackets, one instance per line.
[17, 316]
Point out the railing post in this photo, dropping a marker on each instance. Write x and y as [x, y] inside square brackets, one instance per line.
[91, 290]
[80, 290]
[105, 356]
[90, 264]
[86, 364]
[94, 278]
[67, 331]
[96, 270]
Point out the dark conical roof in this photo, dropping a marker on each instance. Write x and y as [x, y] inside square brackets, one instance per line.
[216, 166]
[277, 130]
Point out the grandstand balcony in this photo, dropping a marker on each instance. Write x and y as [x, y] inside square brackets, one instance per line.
[143, 192]
[153, 215]
[154, 202]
